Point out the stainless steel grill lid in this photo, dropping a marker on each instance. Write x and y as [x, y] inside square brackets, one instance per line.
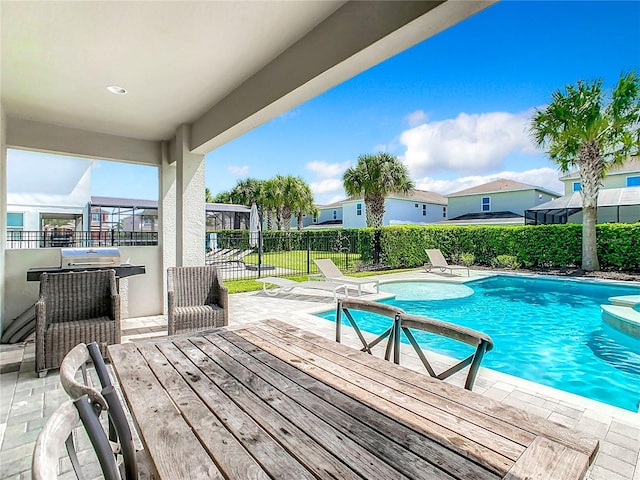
[89, 257]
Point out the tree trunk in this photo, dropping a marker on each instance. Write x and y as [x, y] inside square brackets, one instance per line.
[269, 220]
[374, 205]
[286, 218]
[300, 221]
[591, 171]
[589, 242]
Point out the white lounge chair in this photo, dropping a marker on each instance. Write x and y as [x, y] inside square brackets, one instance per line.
[437, 260]
[287, 285]
[333, 273]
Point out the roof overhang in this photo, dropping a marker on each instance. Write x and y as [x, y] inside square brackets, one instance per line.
[223, 68]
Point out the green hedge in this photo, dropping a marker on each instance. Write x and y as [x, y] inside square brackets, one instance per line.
[335, 240]
[403, 246]
[533, 246]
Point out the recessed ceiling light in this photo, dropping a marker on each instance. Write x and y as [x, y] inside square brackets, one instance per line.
[117, 90]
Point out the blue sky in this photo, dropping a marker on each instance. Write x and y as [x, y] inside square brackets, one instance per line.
[455, 108]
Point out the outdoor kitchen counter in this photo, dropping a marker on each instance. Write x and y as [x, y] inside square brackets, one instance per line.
[122, 271]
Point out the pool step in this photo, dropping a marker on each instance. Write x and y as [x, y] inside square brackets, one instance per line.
[626, 300]
[624, 319]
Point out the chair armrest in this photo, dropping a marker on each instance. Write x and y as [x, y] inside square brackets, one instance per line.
[116, 309]
[171, 302]
[222, 294]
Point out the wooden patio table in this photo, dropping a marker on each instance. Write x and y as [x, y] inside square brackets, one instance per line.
[268, 400]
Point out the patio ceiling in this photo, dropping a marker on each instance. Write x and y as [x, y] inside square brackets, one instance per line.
[221, 67]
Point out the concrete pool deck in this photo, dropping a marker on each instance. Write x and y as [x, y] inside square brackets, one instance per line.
[26, 400]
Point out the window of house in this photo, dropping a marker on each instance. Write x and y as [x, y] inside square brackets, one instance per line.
[15, 221]
[486, 204]
[335, 214]
[15, 224]
[577, 186]
[416, 205]
[424, 210]
[359, 209]
[444, 212]
[95, 217]
[315, 218]
[633, 181]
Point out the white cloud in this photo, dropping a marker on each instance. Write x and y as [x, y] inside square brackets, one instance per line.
[475, 143]
[328, 170]
[239, 171]
[540, 177]
[327, 186]
[415, 118]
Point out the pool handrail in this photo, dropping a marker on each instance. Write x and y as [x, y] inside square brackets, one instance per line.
[405, 322]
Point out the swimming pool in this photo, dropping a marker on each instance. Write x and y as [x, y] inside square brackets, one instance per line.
[545, 330]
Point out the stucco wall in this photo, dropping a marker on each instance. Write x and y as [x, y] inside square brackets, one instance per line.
[609, 181]
[399, 211]
[516, 202]
[350, 219]
[142, 295]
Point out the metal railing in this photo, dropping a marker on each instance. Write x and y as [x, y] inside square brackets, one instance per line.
[281, 253]
[48, 239]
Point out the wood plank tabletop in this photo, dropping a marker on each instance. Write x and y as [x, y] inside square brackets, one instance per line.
[269, 400]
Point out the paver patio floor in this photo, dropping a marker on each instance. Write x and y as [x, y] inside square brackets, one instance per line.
[26, 400]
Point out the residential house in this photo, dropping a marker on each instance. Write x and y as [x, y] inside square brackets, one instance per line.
[328, 216]
[501, 202]
[419, 207]
[618, 199]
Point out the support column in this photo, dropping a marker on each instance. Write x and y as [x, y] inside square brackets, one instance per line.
[167, 214]
[190, 202]
[3, 208]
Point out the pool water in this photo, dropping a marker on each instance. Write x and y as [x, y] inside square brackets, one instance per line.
[547, 331]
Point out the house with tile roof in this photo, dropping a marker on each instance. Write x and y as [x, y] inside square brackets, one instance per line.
[501, 202]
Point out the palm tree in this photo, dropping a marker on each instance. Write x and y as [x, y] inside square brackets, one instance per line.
[297, 198]
[207, 195]
[583, 128]
[375, 177]
[272, 201]
[247, 191]
[306, 205]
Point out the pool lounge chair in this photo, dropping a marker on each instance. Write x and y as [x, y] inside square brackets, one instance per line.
[333, 273]
[287, 285]
[437, 260]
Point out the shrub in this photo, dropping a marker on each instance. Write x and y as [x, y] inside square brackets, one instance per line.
[505, 261]
[467, 259]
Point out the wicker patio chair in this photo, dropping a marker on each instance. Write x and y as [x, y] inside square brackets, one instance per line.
[197, 299]
[75, 307]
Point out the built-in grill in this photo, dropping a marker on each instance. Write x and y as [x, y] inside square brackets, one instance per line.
[82, 258]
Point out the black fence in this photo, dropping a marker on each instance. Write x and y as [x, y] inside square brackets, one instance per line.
[64, 238]
[239, 255]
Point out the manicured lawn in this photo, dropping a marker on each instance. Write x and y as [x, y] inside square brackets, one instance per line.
[301, 259]
[239, 286]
